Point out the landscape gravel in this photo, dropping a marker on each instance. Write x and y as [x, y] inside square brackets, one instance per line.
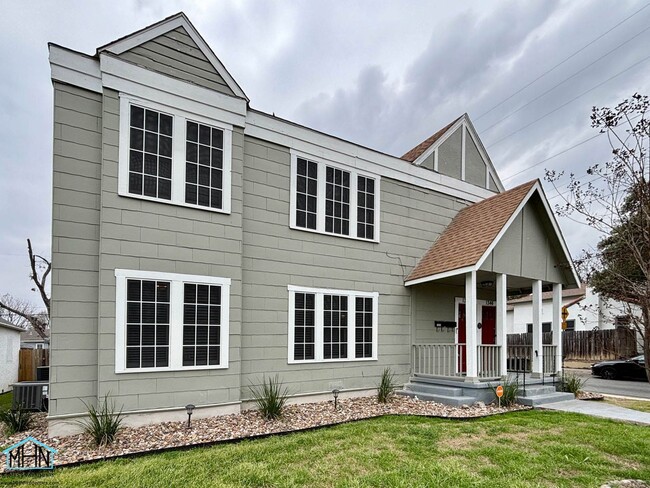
[250, 423]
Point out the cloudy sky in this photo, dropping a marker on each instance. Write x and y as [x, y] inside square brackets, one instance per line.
[383, 74]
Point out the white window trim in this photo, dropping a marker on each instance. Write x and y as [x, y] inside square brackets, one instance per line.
[175, 318]
[318, 321]
[320, 201]
[180, 118]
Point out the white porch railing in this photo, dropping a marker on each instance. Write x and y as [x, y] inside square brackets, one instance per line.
[549, 354]
[489, 361]
[438, 359]
[450, 360]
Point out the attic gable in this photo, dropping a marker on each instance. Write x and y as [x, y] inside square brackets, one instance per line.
[457, 151]
[487, 234]
[173, 47]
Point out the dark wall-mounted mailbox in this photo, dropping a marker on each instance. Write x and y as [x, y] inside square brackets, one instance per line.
[446, 323]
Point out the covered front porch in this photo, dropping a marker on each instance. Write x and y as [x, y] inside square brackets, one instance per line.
[473, 346]
[505, 246]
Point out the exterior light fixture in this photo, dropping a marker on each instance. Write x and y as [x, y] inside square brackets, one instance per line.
[486, 284]
[189, 409]
[335, 392]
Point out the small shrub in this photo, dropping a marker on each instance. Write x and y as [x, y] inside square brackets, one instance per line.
[386, 386]
[17, 420]
[270, 397]
[103, 422]
[509, 397]
[571, 383]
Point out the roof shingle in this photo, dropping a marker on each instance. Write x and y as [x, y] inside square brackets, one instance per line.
[418, 150]
[470, 233]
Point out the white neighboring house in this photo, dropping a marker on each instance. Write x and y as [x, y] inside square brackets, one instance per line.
[9, 348]
[587, 311]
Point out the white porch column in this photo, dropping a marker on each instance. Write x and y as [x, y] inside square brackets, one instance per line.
[557, 325]
[502, 298]
[538, 361]
[471, 335]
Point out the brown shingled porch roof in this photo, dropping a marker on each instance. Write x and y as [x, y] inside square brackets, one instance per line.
[470, 233]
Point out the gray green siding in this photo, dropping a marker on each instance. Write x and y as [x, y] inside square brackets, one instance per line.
[176, 54]
[525, 249]
[449, 155]
[75, 248]
[141, 235]
[276, 256]
[475, 167]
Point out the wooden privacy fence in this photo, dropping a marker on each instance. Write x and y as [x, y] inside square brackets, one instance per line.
[599, 344]
[29, 360]
[586, 344]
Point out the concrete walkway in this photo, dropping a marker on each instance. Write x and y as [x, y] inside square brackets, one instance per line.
[600, 409]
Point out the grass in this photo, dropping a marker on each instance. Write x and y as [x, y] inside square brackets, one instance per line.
[531, 448]
[5, 400]
[640, 405]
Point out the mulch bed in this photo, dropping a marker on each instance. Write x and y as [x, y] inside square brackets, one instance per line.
[79, 448]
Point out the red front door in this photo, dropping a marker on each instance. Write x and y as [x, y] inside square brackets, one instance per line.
[488, 325]
[462, 356]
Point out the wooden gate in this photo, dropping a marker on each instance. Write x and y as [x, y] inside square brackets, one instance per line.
[29, 360]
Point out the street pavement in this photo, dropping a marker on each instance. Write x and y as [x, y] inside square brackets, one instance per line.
[637, 389]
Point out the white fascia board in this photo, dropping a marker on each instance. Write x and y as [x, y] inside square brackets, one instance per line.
[439, 276]
[75, 69]
[162, 28]
[134, 80]
[441, 139]
[306, 140]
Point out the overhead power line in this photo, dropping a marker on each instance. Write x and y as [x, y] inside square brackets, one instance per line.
[564, 81]
[562, 62]
[550, 157]
[635, 64]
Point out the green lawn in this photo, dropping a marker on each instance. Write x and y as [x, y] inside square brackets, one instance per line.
[532, 448]
[5, 400]
[640, 405]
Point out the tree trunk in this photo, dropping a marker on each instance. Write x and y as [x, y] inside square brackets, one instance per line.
[646, 338]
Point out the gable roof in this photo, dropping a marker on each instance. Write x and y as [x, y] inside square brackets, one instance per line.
[426, 148]
[126, 43]
[418, 150]
[470, 233]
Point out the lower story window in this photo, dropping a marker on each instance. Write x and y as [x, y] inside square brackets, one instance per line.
[332, 325]
[169, 321]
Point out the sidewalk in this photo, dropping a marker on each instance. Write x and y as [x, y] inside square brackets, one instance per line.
[600, 409]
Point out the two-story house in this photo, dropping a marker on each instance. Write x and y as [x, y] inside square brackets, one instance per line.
[200, 244]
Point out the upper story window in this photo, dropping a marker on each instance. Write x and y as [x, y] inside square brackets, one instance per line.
[332, 325]
[172, 156]
[332, 200]
[169, 321]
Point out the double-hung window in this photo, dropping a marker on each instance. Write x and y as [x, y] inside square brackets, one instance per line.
[169, 321]
[332, 325]
[331, 199]
[172, 156]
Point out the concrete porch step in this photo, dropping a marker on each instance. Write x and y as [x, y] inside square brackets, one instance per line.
[535, 390]
[455, 401]
[430, 389]
[543, 399]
